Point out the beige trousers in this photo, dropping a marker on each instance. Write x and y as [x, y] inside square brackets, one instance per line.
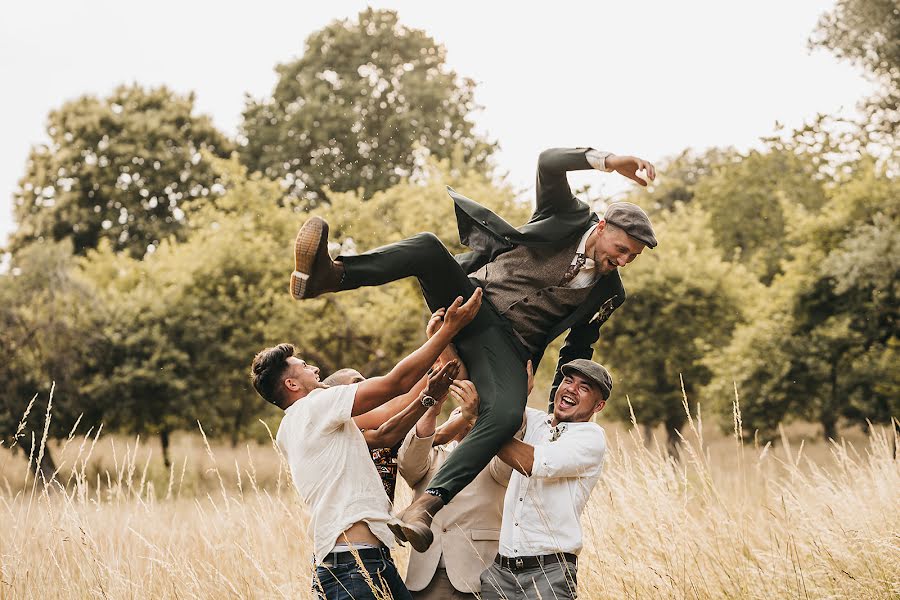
[440, 588]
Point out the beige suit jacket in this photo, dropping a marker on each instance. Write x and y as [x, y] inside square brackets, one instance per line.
[467, 530]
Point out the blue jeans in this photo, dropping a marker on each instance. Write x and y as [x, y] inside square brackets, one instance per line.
[352, 582]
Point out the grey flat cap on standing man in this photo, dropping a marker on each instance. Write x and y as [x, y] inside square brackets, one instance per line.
[556, 273]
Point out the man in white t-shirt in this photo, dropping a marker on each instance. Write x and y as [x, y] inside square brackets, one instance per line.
[330, 462]
[556, 466]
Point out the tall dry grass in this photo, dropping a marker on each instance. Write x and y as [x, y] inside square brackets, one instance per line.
[727, 521]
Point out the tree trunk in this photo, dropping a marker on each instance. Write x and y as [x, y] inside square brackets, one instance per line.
[236, 428]
[164, 441]
[647, 430]
[828, 419]
[672, 441]
[45, 469]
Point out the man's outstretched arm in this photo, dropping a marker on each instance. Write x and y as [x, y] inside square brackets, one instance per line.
[395, 429]
[552, 186]
[378, 390]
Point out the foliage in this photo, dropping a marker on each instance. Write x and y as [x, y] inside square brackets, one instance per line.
[360, 110]
[47, 327]
[683, 302]
[184, 323]
[826, 329]
[867, 33]
[122, 168]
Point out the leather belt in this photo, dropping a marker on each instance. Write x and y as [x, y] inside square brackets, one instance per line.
[520, 563]
[334, 559]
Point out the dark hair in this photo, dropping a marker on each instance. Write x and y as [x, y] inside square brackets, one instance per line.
[267, 372]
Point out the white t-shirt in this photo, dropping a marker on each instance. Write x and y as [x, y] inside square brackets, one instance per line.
[332, 468]
[542, 513]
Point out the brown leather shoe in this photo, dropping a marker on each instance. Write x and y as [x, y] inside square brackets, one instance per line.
[314, 271]
[416, 521]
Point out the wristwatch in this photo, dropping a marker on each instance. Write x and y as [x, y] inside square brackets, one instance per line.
[428, 401]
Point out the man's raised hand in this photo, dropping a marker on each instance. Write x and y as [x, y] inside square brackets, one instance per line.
[629, 166]
[466, 396]
[460, 314]
[440, 381]
[435, 322]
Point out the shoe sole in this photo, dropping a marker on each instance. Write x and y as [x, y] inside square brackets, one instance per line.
[419, 543]
[306, 247]
[397, 530]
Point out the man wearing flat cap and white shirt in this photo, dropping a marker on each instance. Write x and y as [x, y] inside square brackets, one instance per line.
[556, 466]
[557, 273]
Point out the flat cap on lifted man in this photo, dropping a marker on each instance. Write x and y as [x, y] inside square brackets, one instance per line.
[633, 220]
[596, 372]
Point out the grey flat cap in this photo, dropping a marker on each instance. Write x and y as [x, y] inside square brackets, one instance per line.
[593, 371]
[633, 220]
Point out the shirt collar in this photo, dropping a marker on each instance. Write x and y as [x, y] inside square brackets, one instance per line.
[583, 243]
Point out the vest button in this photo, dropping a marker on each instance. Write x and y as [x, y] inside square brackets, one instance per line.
[525, 300]
[539, 294]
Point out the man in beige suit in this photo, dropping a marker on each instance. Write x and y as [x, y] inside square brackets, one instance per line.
[467, 531]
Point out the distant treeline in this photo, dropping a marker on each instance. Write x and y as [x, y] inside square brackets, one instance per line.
[151, 256]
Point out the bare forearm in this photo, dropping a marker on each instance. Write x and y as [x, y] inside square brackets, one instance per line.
[409, 370]
[374, 392]
[518, 455]
[396, 428]
[449, 430]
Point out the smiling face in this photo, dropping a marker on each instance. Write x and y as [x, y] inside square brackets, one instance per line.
[610, 248]
[577, 399]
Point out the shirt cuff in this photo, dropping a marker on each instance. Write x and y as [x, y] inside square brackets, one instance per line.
[540, 468]
[597, 159]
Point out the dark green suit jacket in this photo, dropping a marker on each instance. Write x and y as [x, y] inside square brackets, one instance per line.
[559, 218]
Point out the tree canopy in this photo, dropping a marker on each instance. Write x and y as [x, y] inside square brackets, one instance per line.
[867, 33]
[123, 168]
[361, 109]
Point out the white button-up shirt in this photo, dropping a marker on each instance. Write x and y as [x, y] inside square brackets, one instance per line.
[587, 274]
[332, 467]
[542, 513]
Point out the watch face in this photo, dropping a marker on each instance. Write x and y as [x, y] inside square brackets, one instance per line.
[428, 401]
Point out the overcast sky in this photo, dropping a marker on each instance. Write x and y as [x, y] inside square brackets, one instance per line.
[648, 78]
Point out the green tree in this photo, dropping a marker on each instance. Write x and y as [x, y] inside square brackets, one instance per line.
[684, 300]
[46, 328]
[123, 168]
[184, 323]
[360, 110]
[743, 198]
[826, 330]
[867, 33]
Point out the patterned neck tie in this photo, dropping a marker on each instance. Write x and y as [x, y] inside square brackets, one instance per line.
[573, 269]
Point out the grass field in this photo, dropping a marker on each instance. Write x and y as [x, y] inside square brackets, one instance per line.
[796, 520]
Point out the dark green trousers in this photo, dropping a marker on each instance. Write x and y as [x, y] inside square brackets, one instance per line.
[490, 350]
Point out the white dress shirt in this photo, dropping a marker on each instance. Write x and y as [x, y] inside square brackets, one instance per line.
[542, 513]
[588, 271]
[332, 468]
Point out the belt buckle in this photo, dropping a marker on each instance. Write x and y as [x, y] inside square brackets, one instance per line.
[519, 563]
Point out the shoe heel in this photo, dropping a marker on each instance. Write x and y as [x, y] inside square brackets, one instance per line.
[299, 283]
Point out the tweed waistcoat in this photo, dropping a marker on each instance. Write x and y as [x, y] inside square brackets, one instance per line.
[522, 284]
